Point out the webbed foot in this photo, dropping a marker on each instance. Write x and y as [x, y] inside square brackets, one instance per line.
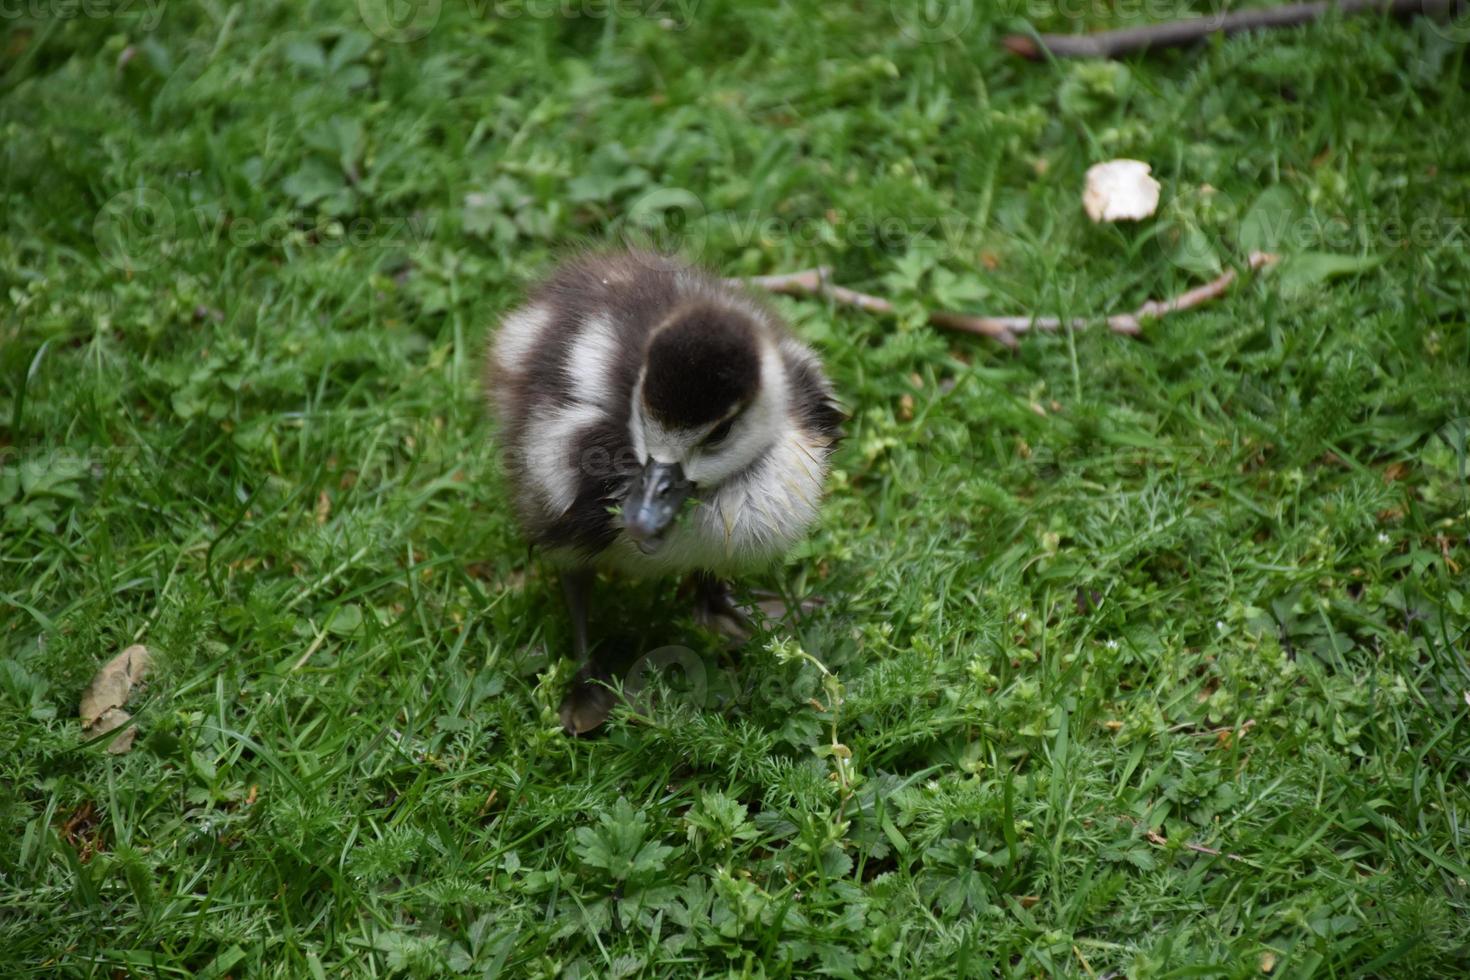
[589, 702]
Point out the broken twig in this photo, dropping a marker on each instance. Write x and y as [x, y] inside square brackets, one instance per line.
[1113, 44]
[1159, 840]
[817, 282]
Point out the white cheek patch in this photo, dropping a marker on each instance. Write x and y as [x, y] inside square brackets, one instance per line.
[760, 426]
[636, 423]
[651, 440]
[663, 445]
[744, 445]
[591, 359]
[519, 333]
[551, 452]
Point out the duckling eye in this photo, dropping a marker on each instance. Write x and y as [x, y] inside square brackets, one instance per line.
[718, 434]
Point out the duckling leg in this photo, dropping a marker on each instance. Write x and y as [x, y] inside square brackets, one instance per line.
[589, 702]
[715, 607]
[774, 604]
[576, 585]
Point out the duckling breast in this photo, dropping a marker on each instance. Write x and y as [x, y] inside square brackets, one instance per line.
[746, 523]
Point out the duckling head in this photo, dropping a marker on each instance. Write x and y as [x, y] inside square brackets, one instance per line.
[710, 401]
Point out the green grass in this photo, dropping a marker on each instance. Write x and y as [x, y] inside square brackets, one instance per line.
[1095, 609]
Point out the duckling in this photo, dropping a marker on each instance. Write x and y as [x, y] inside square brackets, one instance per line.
[656, 421]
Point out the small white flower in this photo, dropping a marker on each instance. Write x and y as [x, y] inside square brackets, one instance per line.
[1111, 644]
[1383, 537]
[1220, 625]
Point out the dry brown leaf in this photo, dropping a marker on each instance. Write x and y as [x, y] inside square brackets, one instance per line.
[83, 831]
[113, 683]
[102, 704]
[114, 718]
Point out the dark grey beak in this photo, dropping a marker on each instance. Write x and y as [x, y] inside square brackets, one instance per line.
[653, 501]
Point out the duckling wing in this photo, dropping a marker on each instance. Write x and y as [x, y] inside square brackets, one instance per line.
[560, 374]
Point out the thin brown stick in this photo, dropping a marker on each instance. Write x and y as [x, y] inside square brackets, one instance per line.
[817, 282]
[1112, 44]
[1159, 840]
